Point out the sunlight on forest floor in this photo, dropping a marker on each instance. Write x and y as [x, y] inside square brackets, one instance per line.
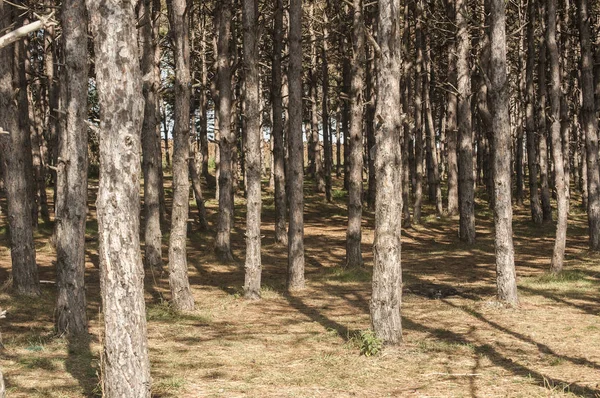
[457, 341]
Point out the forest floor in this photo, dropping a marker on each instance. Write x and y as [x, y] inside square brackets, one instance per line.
[458, 342]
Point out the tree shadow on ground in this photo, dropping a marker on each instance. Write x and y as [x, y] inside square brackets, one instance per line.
[82, 365]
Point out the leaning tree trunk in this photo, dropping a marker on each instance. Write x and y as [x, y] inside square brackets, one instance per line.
[181, 293]
[71, 175]
[277, 133]
[387, 270]
[534, 197]
[227, 139]
[295, 279]
[560, 185]
[590, 126]
[253, 148]
[505, 254]
[17, 163]
[355, 183]
[466, 194]
[151, 151]
[125, 364]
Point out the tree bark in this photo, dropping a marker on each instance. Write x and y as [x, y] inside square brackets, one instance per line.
[386, 299]
[325, 109]
[562, 201]
[451, 121]
[15, 148]
[355, 183]
[418, 111]
[505, 254]
[295, 279]
[227, 139]
[253, 264]
[71, 181]
[151, 152]
[534, 198]
[590, 126]
[466, 193]
[125, 364]
[542, 126]
[181, 294]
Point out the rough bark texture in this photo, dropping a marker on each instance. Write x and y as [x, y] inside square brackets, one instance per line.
[226, 135]
[151, 152]
[505, 254]
[355, 183]
[451, 121]
[295, 279]
[590, 126]
[181, 294]
[534, 197]
[418, 112]
[15, 149]
[387, 270]
[466, 197]
[125, 364]
[542, 126]
[278, 144]
[253, 264]
[71, 176]
[562, 201]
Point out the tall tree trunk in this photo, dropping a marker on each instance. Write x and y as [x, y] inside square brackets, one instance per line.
[15, 149]
[451, 121]
[590, 126]
[556, 137]
[369, 120]
[386, 299]
[151, 152]
[418, 109]
[466, 194]
[71, 176]
[253, 152]
[227, 138]
[534, 198]
[181, 294]
[295, 176]
[505, 254]
[278, 144]
[325, 108]
[355, 183]
[542, 127]
[125, 364]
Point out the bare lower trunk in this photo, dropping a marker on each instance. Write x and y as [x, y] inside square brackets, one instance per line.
[355, 183]
[253, 264]
[125, 364]
[451, 126]
[295, 176]
[386, 299]
[418, 113]
[151, 152]
[542, 127]
[562, 201]
[16, 157]
[327, 154]
[590, 127]
[466, 193]
[278, 144]
[505, 254]
[71, 181]
[226, 135]
[195, 170]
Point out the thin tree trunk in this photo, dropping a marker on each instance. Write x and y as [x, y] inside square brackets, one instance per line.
[466, 193]
[253, 264]
[418, 114]
[355, 183]
[16, 157]
[125, 364]
[278, 144]
[181, 294]
[451, 121]
[71, 176]
[150, 139]
[227, 139]
[534, 198]
[195, 170]
[295, 176]
[590, 126]
[542, 127]
[505, 254]
[556, 137]
[386, 299]
[328, 158]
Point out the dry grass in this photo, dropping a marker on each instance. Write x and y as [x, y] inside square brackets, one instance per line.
[457, 341]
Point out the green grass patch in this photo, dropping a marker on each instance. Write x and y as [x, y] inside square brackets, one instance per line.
[349, 275]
